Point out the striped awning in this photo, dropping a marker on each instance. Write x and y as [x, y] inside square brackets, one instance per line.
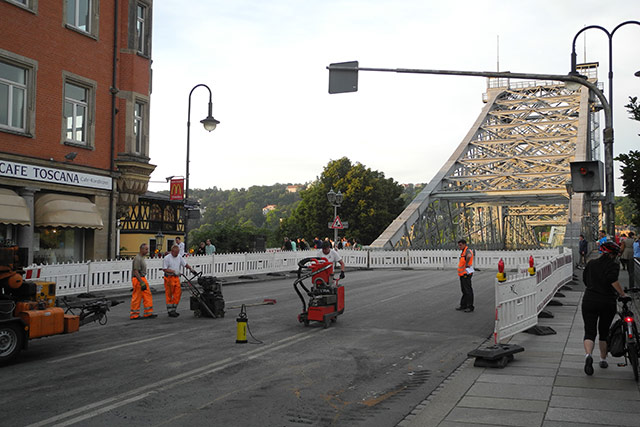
[13, 208]
[62, 210]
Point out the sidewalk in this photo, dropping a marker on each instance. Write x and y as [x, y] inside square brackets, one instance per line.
[544, 386]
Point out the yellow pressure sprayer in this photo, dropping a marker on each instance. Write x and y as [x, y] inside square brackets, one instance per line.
[241, 321]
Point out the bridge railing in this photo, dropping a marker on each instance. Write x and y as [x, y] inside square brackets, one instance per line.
[520, 299]
[92, 276]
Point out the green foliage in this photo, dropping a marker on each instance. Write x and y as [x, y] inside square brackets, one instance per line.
[631, 166]
[625, 211]
[244, 206]
[228, 237]
[631, 180]
[370, 203]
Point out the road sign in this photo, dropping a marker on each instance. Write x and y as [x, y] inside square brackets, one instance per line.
[341, 81]
[338, 224]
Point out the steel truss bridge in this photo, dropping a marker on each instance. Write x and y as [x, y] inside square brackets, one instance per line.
[509, 179]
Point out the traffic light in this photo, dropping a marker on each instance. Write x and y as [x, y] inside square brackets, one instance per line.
[587, 177]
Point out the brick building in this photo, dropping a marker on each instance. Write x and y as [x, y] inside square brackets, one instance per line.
[75, 84]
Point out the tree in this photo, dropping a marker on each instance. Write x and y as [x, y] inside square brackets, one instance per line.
[631, 166]
[625, 211]
[228, 236]
[370, 203]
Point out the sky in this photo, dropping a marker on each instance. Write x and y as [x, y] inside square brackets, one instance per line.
[265, 62]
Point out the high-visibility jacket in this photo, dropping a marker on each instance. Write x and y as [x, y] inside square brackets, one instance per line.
[462, 263]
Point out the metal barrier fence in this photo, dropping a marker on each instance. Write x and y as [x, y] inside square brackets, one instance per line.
[92, 276]
[520, 299]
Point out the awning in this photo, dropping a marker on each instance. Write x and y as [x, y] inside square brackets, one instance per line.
[61, 210]
[13, 208]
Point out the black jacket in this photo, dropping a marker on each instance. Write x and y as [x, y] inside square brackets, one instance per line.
[598, 276]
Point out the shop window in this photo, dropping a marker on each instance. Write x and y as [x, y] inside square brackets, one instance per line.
[57, 245]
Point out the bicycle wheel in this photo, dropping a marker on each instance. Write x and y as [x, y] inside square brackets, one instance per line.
[633, 358]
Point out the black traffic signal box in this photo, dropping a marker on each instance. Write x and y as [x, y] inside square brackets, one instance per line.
[587, 177]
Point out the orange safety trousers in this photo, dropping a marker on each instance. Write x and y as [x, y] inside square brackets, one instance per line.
[141, 296]
[172, 292]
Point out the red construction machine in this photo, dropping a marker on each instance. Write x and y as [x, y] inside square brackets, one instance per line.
[326, 295]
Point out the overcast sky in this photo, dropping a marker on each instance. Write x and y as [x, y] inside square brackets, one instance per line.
[265, 62]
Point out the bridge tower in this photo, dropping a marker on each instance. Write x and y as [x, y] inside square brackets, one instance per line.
[510, 175]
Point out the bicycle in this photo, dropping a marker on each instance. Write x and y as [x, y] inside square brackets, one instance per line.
[629, 330]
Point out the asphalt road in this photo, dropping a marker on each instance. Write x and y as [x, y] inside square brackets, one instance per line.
[397, 340]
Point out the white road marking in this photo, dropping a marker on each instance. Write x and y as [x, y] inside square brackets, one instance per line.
[93, 409]
[88, 353]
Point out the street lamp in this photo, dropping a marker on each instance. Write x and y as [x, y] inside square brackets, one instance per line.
[159, 242]
[209, 124]
[336, 200]
[608, 142]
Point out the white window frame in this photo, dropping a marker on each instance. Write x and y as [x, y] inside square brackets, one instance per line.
[12, 87]
[139, 109]
[92, 17]
[30, 5]
[75, 105]
[142, 23]
[89, 124]
[28, 118]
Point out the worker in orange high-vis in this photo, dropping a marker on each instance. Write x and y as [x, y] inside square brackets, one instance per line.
[171, 266]
[141, 290]
[465, 272]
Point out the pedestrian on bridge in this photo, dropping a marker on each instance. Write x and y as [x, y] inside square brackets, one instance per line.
[172, 290]
[599, 302]
[465, 272]
[141, 289]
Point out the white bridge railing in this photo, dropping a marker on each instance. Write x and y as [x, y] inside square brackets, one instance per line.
[520, 299]
[92, 276]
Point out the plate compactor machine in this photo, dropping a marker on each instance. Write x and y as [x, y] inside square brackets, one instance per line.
[209, 302]
[326, 299]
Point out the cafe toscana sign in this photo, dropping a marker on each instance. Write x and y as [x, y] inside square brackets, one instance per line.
[57, 176]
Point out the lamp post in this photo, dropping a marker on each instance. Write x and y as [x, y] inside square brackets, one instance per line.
[209, 124]
[608, 142]
[159, 242]
[336, 200]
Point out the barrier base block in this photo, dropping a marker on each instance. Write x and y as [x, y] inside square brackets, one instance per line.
[554, 302]
[495, 356]
[540, 330]
[545, 314]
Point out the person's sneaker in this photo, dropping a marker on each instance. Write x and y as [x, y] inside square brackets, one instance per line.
[176, 314]
[172, 314]
[461, 308]
[468, 310]
[588, 365]
[151, 316]
[604, 364]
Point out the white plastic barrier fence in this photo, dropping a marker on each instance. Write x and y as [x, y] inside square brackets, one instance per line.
[519, 300]
[94, 276]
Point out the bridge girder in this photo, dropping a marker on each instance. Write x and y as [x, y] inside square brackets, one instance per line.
[508, 175]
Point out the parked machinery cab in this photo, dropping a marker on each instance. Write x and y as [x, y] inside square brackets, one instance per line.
[27, 308]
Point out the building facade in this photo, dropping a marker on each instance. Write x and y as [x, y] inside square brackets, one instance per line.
[155, 220]
[75, 85]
